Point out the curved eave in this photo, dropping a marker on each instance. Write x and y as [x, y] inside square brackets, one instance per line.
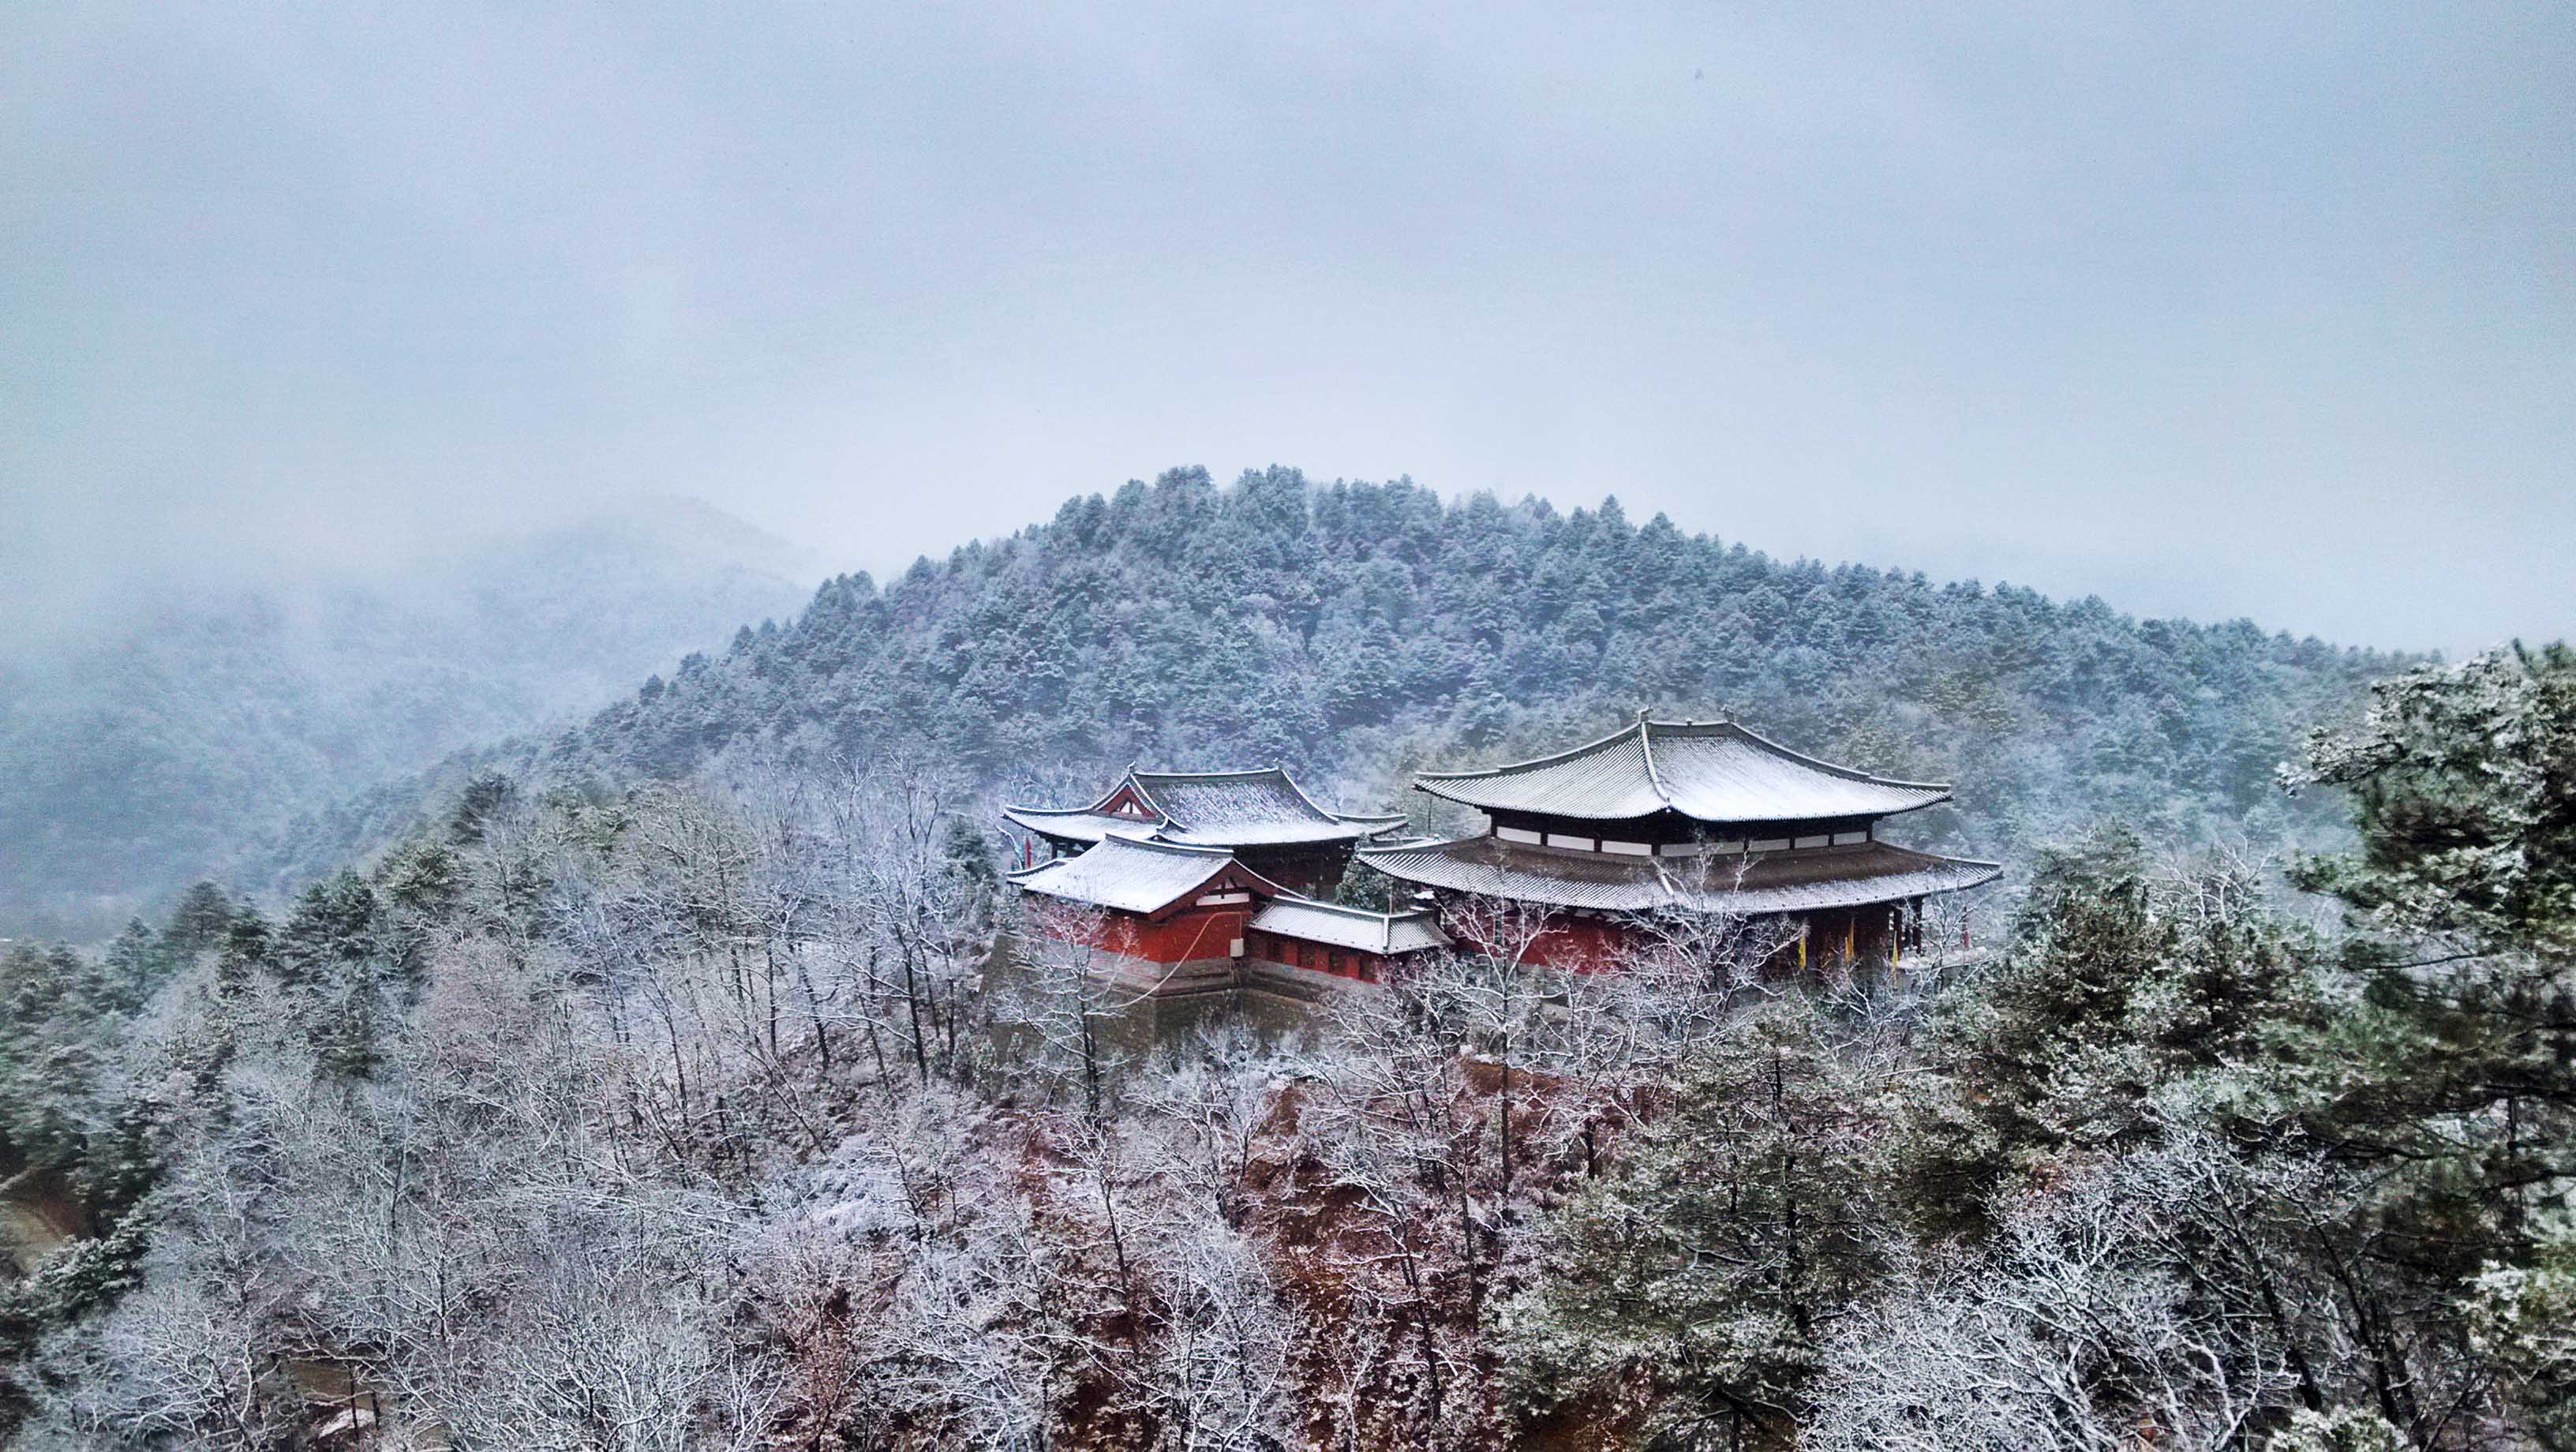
[1553, 758]
[1308, 823]
[1848, 773]
[1073, 824]
[1931, 795]
[1158, 875]
[1778, 883]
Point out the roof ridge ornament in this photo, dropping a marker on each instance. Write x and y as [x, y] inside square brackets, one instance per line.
[1646, 750]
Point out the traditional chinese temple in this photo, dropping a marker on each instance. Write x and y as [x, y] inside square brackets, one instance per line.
[1262, 817]
[1197, 884]
[1184, 885]
[1695, 816]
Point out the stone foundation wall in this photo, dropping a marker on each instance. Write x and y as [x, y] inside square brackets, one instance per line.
[1171, 1000]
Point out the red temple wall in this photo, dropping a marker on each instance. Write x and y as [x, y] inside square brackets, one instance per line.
[1181, 938]
[1575, 945]
[1571, 944]
[1202, 934]
[1592, 945]
[1580, 945]
[1348, 963]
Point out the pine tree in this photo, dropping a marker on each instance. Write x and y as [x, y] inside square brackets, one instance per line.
[199, 923]
[2128, 994]
[1688, 1292]
[2458, 1070]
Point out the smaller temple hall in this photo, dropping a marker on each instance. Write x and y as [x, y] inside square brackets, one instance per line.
[1262, 817]
[1190, 884]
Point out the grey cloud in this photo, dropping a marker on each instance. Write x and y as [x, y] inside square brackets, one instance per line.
[2214, 312]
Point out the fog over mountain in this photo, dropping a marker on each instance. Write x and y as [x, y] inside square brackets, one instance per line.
[147, 747]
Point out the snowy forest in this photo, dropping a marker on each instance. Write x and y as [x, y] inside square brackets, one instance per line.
[1357, 632]
[654, 1083]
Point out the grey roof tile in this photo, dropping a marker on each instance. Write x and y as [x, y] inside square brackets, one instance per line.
[1259, 808]
[1131, 873]
[1349, 927]
[1712, 771]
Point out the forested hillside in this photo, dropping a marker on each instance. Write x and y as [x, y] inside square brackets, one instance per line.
[150, 750]
[696, 1117]
[729, 1102]
[1357, 632]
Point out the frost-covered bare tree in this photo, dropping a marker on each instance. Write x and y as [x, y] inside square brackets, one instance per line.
[1216, 1373]
[1396, 1269]
[1210, 1109]
[967, 1341]
[478, 1220]
[189, 1358]
[1616, 1038]
[918, 903]
[1060, 996]
[1168, 1304]
[1390, 1114]
[2172, 1296]
[614, 1339]
[1493, 994]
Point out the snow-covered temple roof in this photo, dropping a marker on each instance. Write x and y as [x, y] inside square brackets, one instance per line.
[1226, 809]
[1138, 874]
[1711, 771]
[1778, 882]
[1385, 934]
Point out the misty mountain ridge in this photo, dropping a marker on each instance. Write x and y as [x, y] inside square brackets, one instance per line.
[147, 747]
[1358, 632]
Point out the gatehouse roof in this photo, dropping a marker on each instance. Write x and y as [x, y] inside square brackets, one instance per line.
[1263, 807]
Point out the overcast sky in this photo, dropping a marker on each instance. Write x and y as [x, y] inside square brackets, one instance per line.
[2209, 310]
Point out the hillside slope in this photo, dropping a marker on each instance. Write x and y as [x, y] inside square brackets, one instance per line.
[1357, 632]
[148, 753]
